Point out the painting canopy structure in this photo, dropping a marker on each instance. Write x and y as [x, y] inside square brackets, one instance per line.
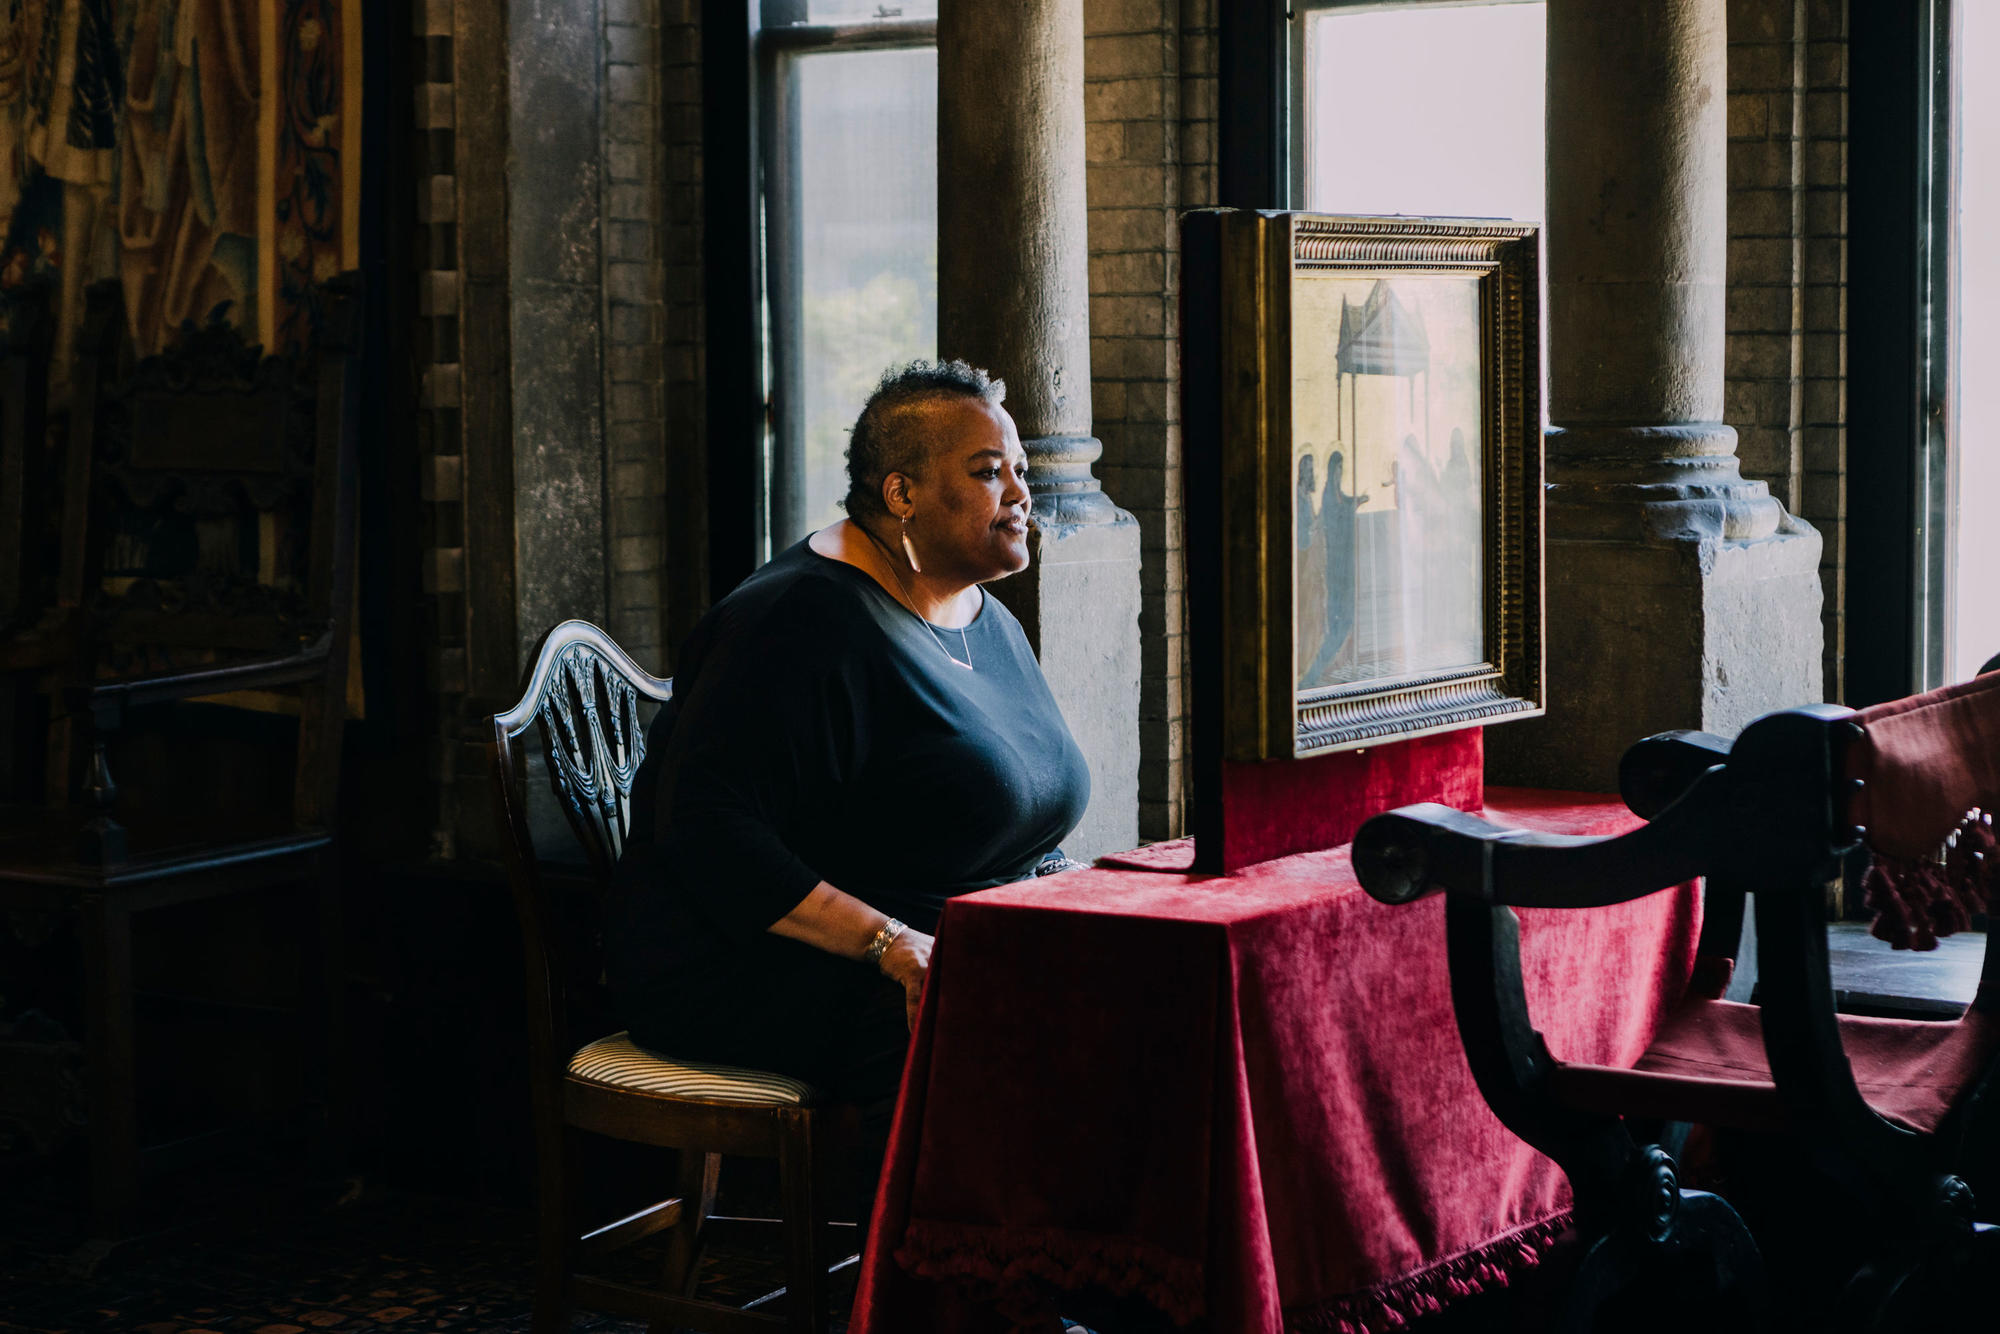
[1383, 337]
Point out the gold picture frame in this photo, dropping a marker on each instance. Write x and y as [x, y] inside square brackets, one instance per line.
[1380, 478]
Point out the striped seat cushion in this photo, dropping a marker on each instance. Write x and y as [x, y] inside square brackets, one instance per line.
[620, 1063]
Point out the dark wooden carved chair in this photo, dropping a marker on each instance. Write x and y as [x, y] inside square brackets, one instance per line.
[584, 695]
[25, 484]
[30, 510]
[1894, 1115]
[207, 554]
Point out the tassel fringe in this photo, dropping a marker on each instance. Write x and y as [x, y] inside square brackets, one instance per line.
[1021, 1269]
[1919, 899]
[1395, 1306]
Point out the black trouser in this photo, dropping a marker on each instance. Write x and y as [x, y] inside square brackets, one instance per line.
[799, 1011]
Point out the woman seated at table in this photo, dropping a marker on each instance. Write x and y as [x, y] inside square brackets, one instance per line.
[858, 732]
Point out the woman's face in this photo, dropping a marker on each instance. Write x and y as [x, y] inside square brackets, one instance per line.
[969, 510]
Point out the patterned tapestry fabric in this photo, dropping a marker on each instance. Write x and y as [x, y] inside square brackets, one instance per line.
[618, 1061]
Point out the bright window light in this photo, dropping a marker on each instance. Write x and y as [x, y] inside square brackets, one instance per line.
[868, 216]
[1973, 635]
[1433, 110]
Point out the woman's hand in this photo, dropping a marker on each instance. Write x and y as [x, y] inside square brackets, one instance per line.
[908, 961]
[842, 924]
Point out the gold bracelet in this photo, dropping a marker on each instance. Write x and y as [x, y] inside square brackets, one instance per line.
[884, 938]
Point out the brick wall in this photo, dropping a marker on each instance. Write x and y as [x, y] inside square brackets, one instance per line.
[634, 316]
[438, 422]
[1785, 369]
[685, 456]
[1149, 109]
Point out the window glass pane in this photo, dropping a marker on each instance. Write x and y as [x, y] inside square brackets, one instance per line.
[867, 211]
[863, 11]
[1426, 111]
[1974, 634]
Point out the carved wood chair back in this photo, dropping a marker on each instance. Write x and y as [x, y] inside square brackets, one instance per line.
[30, 509]
[584, 696]
[27, 516]
[217, 491]
[209, 533]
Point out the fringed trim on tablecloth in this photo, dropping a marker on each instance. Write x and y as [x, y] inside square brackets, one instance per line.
[1019, 1266]
[1918, 899]
[1397, 1305]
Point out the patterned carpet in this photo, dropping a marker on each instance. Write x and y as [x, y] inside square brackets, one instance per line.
[246, 1255]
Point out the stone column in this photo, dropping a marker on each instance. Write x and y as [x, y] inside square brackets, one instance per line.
[1014, 298]
[1679, 594]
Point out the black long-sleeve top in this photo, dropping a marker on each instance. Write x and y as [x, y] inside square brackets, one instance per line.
[820, 731]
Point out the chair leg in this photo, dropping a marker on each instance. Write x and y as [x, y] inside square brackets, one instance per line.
[554, 1229]
[799, 1171]
[1926, 1286]
[114, 1094]
[327, 1079]
[1705, 1271]
[697, 1174]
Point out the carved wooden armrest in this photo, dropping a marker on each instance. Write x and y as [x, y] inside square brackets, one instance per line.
[100, 697]
[1653, 773]
[1408, 853]
[101, 842]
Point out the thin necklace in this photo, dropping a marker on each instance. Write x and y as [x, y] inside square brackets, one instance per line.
[890, 560]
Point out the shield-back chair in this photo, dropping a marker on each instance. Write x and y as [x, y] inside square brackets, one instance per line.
[584, 695]
[1894, 1116]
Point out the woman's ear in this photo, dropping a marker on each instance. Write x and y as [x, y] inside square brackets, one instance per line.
[896, 494]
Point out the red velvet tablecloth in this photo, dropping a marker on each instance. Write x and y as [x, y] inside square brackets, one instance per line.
[1240, 1098]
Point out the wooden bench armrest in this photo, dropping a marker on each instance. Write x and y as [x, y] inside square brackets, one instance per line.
[257, 674]
[1408, 853]
[1655, 772]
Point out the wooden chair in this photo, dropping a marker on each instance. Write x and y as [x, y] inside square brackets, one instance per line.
[30, 509]
[1895, 1112]
[207, 549]
[25, 484]
[584, 694]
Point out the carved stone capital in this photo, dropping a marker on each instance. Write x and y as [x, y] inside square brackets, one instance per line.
[1063, 490]
[1658, 483]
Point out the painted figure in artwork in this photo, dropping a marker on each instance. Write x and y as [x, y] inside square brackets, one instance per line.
[1336, 534]
[1308, 567]
[187, 197]
[1420, 537]
[1459, 501]
[60, 86]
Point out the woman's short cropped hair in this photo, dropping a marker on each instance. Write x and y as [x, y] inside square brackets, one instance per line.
[893, 433]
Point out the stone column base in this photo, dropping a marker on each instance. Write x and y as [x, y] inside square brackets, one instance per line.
[1646, 636]
[1079, 602]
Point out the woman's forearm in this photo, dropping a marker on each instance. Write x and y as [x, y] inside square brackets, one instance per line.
[832, 921]
[842, 924]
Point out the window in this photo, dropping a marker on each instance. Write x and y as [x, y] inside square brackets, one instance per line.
[1380, 121]
[849, 110]
[1970, 614]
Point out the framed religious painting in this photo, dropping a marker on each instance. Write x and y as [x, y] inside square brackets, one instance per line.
[1378, 479]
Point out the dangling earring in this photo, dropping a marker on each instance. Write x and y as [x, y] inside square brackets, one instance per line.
[909, 551]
